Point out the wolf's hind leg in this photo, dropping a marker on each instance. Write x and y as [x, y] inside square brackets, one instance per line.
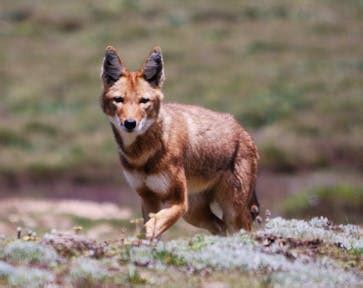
[234, 194]
[200, 215]
[236, 215]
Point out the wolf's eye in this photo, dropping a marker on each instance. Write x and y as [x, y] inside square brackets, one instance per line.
[118, 99]
[144, 100]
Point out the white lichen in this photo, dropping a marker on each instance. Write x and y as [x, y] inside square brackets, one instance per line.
[284, 253]
[25, 277]
[88, 271]
[5, 270]
[241, 252]
[347, 236]
[29, 252]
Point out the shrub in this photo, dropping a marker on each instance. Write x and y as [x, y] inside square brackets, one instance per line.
[87, 272]
[5, 270]
[29, 278]
[29, 252]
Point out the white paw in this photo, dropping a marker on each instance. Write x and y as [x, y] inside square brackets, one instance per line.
[151, 228]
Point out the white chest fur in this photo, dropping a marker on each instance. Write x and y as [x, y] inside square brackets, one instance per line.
[135, 179]
[158, 183]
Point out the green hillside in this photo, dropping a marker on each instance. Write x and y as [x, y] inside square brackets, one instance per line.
[290, 71]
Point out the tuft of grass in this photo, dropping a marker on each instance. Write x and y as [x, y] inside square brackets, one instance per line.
[134, 276]
[5, 270]
[30, 253]
[169, 258]
[30, 278]
[87, 272]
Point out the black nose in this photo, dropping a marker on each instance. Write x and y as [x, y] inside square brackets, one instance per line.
[130, 124]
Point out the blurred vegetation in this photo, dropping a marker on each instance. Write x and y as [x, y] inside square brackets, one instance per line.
[342, 203]
[290, 71]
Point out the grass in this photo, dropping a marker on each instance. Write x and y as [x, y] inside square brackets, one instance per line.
[282, 253]
[290, 67]
[88, 223]
[341, 203]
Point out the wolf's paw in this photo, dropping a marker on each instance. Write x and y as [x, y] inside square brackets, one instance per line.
[151, 229]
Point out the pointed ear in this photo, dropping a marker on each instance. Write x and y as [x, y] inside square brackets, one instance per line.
[112, 67]
[153, 68]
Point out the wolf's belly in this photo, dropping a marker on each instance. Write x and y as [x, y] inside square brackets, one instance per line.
[198, 184]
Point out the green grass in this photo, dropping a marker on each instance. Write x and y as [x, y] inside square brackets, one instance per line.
[341, 203]
[88, 223]
[10, 138]
[278, 66]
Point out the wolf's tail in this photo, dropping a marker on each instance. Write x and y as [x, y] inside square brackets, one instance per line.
[254, 206]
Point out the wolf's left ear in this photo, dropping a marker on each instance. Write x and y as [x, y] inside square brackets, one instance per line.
[112, 67]
[153, 68]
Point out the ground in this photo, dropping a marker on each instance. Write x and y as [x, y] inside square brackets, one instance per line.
[100, 246]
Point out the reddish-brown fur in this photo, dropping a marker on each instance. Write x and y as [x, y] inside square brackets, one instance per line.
[186, 158]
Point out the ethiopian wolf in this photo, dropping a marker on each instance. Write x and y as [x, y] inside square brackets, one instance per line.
[182, 160]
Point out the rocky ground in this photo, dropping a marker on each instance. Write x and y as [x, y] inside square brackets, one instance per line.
[97, 245]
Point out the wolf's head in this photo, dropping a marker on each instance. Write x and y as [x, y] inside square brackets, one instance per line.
[132, 99]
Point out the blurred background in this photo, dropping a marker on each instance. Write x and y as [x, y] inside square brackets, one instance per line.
[290, 71]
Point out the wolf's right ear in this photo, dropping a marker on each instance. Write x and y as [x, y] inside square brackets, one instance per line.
[112, 68]
[153, 68]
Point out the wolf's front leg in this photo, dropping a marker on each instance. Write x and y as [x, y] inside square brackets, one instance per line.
[178, 205]
[150, 205]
